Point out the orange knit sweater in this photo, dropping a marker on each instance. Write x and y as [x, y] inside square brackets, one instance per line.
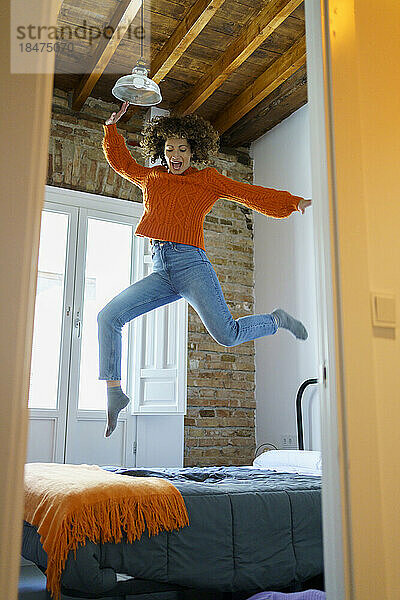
[175, 205]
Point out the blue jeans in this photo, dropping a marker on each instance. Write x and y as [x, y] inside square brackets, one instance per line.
[179, 271]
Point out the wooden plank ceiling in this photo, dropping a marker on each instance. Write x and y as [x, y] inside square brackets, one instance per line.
[241, 64]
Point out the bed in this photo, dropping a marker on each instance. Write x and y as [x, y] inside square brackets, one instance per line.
[251, 528]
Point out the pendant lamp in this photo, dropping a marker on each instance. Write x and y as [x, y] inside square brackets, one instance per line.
[138, 88]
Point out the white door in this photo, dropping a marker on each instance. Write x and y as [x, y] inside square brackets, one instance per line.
[52, 335]
[103, 269]
[85, 259]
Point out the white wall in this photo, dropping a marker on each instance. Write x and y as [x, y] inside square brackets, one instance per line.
[285, 278]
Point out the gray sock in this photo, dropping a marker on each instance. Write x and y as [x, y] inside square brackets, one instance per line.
[116, 401]
[286, 321]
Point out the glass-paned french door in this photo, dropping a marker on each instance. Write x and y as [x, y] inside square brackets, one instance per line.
[86, 257]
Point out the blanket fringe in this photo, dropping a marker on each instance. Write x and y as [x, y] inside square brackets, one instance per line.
[106, 521]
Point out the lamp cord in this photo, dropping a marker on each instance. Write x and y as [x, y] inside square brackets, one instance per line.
[142, 31]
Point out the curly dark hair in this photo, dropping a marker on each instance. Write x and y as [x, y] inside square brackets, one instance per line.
[203, 139]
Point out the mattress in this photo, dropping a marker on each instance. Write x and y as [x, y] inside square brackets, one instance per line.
[250, 529]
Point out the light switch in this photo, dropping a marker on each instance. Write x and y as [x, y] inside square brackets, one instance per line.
[383, 309]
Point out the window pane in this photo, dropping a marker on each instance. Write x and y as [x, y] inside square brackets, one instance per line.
[108, 272]
[43, 388]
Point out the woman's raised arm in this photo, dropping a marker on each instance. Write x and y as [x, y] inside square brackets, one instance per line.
[118, 155]
[268, 201]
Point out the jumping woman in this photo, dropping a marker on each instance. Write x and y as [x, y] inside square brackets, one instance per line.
[176, 199]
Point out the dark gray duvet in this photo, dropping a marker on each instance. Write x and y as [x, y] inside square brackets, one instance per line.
[250, 529]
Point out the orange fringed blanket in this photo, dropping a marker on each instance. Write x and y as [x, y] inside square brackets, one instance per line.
[71, 503]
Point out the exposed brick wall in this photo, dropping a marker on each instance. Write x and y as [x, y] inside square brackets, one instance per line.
[219, 426]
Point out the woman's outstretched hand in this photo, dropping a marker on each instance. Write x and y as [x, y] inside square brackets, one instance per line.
[116, 116]
[303, 205]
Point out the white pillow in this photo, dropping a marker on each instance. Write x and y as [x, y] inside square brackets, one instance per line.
[306, 462]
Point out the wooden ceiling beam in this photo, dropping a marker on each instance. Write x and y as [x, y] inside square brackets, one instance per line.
[282, 102]
[186, 32]
[254, 34]
[121, 19]
[277, 73]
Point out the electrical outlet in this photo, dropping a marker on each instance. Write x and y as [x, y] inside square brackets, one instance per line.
[288, 440]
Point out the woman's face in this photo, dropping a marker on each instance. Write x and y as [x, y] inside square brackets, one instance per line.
[177, 154]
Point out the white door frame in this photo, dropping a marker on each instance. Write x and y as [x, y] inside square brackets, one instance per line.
[324, 231]
[57, 416]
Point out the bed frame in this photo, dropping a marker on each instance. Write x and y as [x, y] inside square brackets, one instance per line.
[135, 587]
[299, 398]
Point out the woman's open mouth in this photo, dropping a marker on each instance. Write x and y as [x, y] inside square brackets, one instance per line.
[176, 165]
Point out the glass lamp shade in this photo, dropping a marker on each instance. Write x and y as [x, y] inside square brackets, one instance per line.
[137, 88]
